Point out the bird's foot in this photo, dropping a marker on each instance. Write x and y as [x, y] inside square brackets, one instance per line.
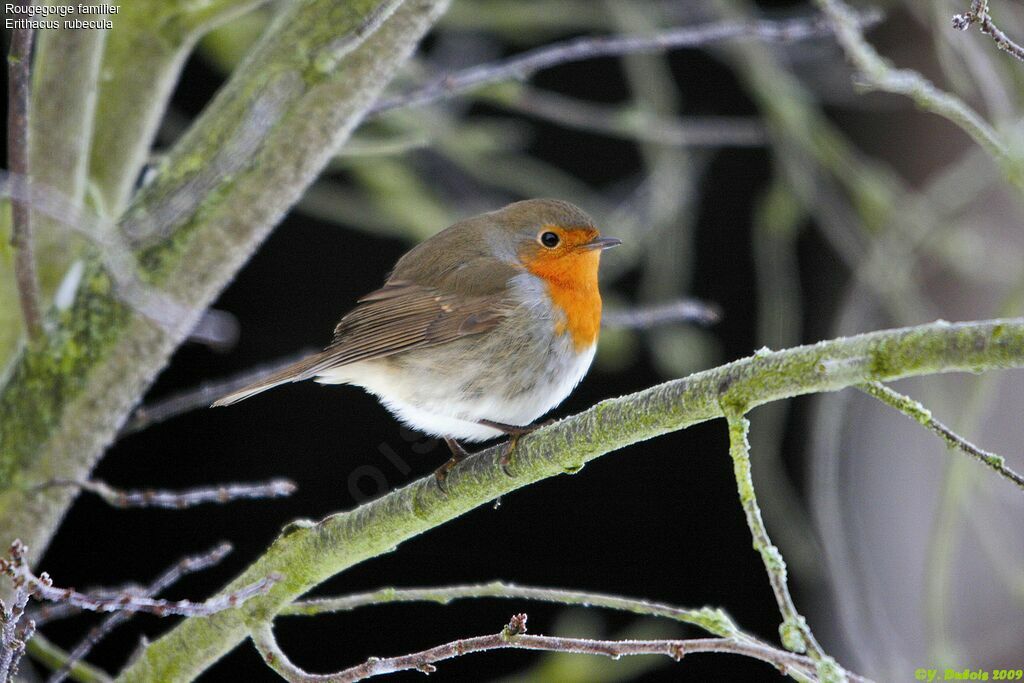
[515, 432]
[458, 455]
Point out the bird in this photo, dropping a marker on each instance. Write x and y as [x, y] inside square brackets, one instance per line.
[478, 330]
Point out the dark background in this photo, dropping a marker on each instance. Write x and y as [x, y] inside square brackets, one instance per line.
[658, 520]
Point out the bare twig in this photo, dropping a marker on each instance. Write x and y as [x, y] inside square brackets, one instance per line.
[181, 568]
[639, 125]
[203, 395]
[177, 500]
[646, 317]
[918, 413]
[522, 66]
[794, 630]
[514, 636]
[978, 14]
[41, 588]
[19, 68]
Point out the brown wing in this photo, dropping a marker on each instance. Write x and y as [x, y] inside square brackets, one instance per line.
[402, 316]
[398, 317]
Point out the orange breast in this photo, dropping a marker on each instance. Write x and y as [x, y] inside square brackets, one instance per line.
[571, 280]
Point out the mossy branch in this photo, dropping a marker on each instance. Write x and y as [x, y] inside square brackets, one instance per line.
[144, 54]
[308, 554]
[268, 133]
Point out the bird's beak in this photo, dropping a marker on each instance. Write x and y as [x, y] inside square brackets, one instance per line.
[602, 243]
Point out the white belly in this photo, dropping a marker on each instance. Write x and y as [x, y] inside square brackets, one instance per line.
[513, 374]
[440, 408]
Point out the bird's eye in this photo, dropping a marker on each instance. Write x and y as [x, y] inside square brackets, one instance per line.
[549, 239]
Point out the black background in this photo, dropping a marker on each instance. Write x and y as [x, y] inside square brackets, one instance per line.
[659, 520]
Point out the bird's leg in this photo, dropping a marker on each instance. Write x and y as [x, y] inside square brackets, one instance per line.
[458, 454]
[515, 432]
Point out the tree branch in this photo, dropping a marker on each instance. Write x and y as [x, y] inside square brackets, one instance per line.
[795, 632]
[19, 78]
[524, 65]
[311, 553]
[514, 636]
[143, 57]
[978, 14]
[918, 413]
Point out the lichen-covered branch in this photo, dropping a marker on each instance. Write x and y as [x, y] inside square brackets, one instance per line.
[309, 554]
[144, 55]
[257, 146]
[711, 620]
[795, 632]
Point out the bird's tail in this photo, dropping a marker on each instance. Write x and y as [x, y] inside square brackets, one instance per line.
[296, 372]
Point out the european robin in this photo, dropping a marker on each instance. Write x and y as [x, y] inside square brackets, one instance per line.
[478, 331]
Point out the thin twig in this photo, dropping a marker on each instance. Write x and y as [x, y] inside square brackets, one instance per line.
[203, 395]
[878, 74]
[794, 630]
[710, 619]
[19, 70]
[514, 636]
[646, 317]
[978, 14]
[46, 612]
[522, 66]
[634, 124]
[175, 573]
[177, 500]
[921, 415]
[41, 588]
